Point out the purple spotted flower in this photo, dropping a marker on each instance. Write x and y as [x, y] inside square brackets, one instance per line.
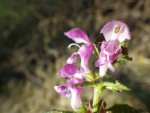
[114, 32]
[85, 51]
[116, 29]
[109, 51]
[74, 76]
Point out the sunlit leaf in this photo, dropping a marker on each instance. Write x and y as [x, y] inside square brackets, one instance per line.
[95, 82]
[105, 83]
[115, 86]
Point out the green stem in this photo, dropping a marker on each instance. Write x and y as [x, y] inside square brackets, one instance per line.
[96, 98]
[82, 109]
[96, 49]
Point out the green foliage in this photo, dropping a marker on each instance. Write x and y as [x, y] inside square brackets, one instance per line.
[121, 58]
[124, 58]
[105, 83]
[123, 109]
[115, 86]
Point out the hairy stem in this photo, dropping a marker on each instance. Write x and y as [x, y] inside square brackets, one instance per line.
[96, 98]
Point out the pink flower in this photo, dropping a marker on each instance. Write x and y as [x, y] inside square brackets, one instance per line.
[69, 90]
[72, 74]
[109, 51]
[114, 32]
[85, 51]
[116, 29]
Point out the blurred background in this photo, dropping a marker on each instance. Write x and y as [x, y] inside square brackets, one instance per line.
[33, 48]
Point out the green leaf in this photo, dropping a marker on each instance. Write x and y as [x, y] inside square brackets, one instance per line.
[120, 59]
[105, 83]
[115, 86]
[124, 58]
[95, 82]
[124, 109]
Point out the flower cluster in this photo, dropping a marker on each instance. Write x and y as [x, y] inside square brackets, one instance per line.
[114, 32]
[76, 75]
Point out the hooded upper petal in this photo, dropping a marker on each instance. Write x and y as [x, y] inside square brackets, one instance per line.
[78, 35]
[116, 29]
[68, 70]
[85, 53]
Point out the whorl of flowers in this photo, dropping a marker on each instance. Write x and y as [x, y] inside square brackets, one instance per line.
[115, 32]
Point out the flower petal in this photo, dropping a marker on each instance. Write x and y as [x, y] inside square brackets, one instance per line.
[116, 29]
[110, 46]
[103, 70]
[63, 90]
[70, 90]
[99, 62]
[72, 59]
[78, 35]
[109, 52]
[111, 67]
[107, 31]
[85, 53]
[76, 102]
[68, 70]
